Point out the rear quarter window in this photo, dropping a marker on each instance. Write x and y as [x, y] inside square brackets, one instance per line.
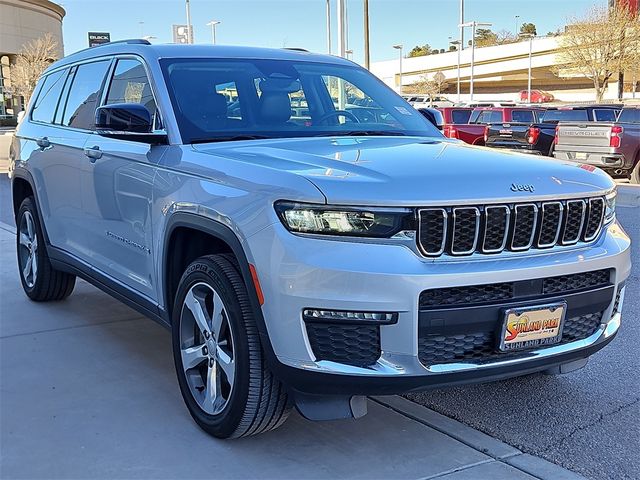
[46, 103]
[460, 116]
[524, 116]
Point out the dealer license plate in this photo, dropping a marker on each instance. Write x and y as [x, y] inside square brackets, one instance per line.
[528, 327]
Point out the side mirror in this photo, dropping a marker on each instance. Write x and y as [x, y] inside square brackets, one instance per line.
[127, 121]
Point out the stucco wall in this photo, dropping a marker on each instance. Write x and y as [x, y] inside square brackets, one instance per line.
[24, 20]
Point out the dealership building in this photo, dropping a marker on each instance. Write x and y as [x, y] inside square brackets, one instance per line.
[22, 21]
[500, 72]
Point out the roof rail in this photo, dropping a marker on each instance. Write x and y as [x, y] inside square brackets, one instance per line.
[131, 41]
[296, 49]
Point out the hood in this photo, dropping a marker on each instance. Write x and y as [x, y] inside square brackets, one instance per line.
[411, 171]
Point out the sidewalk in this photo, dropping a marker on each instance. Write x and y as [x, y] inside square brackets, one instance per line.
[88, 391]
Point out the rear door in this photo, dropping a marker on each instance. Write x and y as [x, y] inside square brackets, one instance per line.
[117, 188]
[62, 134]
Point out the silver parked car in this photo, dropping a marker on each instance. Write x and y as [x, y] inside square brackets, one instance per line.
[308, 258]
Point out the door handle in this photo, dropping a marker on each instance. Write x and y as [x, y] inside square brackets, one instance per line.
[43, 142]
[93, 153]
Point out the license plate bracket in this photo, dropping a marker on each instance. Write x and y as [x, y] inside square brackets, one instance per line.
[532, 326]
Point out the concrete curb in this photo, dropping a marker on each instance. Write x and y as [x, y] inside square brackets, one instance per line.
[500, 451]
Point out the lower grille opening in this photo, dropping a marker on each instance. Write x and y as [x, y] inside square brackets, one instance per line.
[481, 346]
[357, 345]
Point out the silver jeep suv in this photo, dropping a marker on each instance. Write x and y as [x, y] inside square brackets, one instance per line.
[307, 236]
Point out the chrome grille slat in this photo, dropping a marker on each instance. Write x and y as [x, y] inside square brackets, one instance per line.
[490, 229]
[548, 220]
[460, 236]
[572, 230]
[524, 225]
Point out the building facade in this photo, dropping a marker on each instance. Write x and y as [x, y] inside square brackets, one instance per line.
[22, 21]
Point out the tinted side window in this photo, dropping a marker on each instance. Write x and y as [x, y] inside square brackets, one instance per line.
[45, 105]
[84, 95]
[604, 115]
[130, 84]
[495, 116]
[631, 115]
[524, 116]
[460, 116]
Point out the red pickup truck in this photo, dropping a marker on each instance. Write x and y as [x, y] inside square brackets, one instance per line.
[473, 132]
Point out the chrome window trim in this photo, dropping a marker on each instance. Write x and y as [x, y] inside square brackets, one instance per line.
[475, 236]
[558, 228]
[444, 231]
[505, 238]
[515, 224]
[600, 220]
[564, 229]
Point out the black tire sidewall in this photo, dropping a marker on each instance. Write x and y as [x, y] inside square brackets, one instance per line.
[206, 271]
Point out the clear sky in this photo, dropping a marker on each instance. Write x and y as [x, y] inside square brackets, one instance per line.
[302, 23]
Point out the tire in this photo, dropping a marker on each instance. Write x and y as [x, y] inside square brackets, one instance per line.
[40, 281]
[216, 344]
[635, 174]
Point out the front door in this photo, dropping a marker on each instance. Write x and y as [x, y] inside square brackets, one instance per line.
[117, 190]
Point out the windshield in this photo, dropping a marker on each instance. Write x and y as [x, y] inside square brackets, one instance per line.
[227, 99]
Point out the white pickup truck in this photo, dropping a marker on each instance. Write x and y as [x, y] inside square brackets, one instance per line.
[612, 146]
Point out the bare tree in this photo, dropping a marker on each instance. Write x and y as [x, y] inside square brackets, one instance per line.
[432, 86]
[34, 58]
[600, 45]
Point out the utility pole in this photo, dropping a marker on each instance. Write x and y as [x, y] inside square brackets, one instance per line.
[189, 25]
[367, 57]
[329, 27]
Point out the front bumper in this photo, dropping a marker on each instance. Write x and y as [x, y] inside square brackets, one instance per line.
[299, 272]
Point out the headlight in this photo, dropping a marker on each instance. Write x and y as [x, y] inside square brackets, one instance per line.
[347, 221]
[610, 206]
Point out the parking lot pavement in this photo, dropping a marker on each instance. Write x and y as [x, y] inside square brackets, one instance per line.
[87, 390]
[587, 421]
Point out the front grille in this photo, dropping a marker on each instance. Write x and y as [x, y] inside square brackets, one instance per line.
[481, 346]
[357, 345]
[499, 292]
[516, 227]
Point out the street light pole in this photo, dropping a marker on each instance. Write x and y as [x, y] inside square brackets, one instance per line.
[213, 24]
[457, 45]
[189, 26]
[342, 47]
[531, 36]
[367, 56]
[473, 26]
[515, 31]
[329, 27]
[399, 47]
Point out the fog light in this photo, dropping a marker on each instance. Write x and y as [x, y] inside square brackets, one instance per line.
[341, 316]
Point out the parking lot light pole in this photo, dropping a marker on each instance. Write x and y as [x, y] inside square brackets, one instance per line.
[473, 26]
[189, 25]
[329, 27]
[531, 37]
[399, 47]
[213, 24]
[458, 44]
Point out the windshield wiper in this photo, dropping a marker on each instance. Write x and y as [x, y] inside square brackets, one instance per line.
[230, 138]
[364, 133]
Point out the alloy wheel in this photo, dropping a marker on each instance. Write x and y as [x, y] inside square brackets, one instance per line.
[28, 251]
[206, 347]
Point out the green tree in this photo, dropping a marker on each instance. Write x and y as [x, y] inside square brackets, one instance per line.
[419, 51]
[485, 37]
[528, 28]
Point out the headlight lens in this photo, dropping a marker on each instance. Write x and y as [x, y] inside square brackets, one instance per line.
[347, 221]
[610, 206]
